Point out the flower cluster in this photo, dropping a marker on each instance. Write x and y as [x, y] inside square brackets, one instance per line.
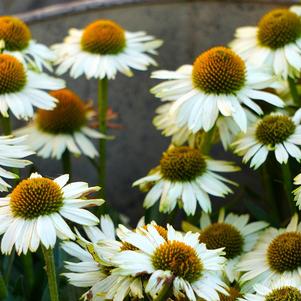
[189, 245]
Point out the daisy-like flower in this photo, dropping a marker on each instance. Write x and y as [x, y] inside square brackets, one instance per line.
[234, 233]
[12, 150]
[35, 209]
[65, 127]
[275, 43]
[186, 177]
[275, 132]
[277, 254]
[284, 289]
[95, 266]
[102, 49]
[219, 81]
[21, 89]
[227, 128]
[16, 39]
[179, 259]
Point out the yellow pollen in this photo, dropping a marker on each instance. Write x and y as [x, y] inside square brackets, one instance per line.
[284, 252]
[103, 37]
[14, 32]
[274, 129]
[285, 293]
[161, 230]
[182, 164]
[219, 71]
[278, 28]
[179, 258]
[67, 117]
[36, 197]
[12, 74]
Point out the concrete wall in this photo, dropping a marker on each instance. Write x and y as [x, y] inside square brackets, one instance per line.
[187, 29]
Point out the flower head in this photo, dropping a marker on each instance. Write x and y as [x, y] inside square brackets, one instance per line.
[65, 127]
[185, 176]
[283, 289]
[218, 82]
[232, 232]
[275, 132]
[33, 212]
[21, 89]
[102, 49]
[277, 254]
[180, 259]
[17, 41]
[274, 44]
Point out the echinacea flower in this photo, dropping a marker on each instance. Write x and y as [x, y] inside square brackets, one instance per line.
[12, 152]
[95, 267]
[187, 177]
[277, 254]
[65, 127]
[274, 44]
[16, 38]
[234, 233]
[283, 289]
[178, 260]
[21, 89]
[276, 133]
[34, 212]
[218, 82]
[104, 48]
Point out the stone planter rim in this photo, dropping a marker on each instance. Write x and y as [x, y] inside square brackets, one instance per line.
[76, 7]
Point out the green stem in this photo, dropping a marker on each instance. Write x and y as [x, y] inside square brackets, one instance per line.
[206, 142]
[102, 109]
[10, 266]
[66, 163]
[3, 289]
[6, 126]
[269, 196]
[288, 187]
[294, 91]
[51, 273]
[28, 269]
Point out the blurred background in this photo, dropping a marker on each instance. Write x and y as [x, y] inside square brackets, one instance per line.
[187, 28]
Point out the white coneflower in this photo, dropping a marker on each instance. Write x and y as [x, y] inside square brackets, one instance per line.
[65, 127]
[284, 289]
[218, 82]
[104, 48]
[234, 233]
[95, 267]
[186, 177]
[15, 37]
[277, 254]
[12, 152]
[275, 43]
[21, 89]
[179, 260]
[35, 209]
[276, 133]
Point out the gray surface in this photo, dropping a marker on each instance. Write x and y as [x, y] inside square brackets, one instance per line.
[187, 29]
